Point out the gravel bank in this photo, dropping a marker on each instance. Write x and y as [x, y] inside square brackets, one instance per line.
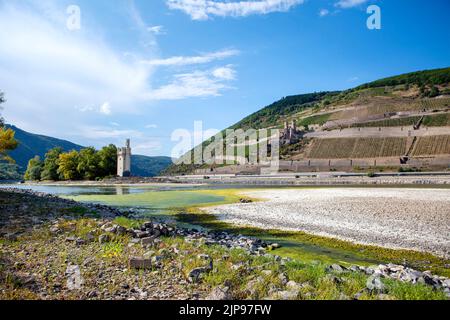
[417, 219]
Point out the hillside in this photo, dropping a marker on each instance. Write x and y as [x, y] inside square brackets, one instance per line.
[369, 127]
[31, 144]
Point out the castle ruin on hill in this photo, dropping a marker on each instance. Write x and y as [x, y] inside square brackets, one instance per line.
[290, 133]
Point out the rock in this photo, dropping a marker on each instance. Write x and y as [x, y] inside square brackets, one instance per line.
[446, 283]
[71, 239]
[90, 237]
[285, 295]
[283, 279]
[293, 286]
[204, 257]
[196, 274]
[219, 293]
[80, 242]
[275, 245]
[267, 272]
[104, 238]
[147, 225]
[121, 230]
[252, 286]
[140, 234]
[140, 263]
[374, 284]
[336, 268]
[333, 279]
[74, 279]
[147, 241]
[157, 259]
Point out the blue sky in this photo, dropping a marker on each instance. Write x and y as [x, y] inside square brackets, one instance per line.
[142, 69]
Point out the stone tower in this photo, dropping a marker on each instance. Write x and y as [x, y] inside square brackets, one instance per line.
[124, 160]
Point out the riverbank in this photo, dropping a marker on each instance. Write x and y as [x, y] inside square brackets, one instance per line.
[53, 248]
[412, 219]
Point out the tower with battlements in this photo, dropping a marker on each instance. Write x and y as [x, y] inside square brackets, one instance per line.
[124, 160]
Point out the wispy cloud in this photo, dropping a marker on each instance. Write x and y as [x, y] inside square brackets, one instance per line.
[195, 84]
[184, 61]
[157, 30]
[204, 9]
[345, 4]
[225, 73]
[324, 12]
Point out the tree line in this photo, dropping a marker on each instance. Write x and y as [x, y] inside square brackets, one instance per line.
[7, 140]
[86, 164]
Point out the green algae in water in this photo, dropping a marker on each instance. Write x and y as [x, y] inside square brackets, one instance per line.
[156, 201]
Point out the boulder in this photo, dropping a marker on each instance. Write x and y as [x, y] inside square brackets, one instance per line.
[74, 278]
[293, 286]
[196, 274]
[374, 284]
[104, 238]
[336, 268]
[285, 295]
[219, 293]
[140, 263]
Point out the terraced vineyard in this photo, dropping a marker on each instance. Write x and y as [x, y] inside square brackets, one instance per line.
[432, 146]
[357, 148]
[435, 120]
[332, 148]
[398, 122]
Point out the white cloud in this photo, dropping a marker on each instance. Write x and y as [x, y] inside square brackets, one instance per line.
[100, 132]
[225, 73]
[148, 146]
[204, 9]
[157, 30]
[151, 126]
[184, 61]
[324, 12]
[345, 4]
[194, 84]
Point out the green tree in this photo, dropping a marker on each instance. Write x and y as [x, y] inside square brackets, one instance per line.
[50, 170]
[7, 141]
[88, 163]
[68, 165]
[108, 160]
[34, 169]
[434, 92]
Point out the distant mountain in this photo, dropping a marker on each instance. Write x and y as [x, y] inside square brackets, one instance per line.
[31, 145]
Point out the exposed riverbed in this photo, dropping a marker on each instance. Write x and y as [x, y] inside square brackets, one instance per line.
[417, 219]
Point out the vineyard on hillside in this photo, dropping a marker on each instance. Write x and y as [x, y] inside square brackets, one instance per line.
[433, 145]
[357, 148]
